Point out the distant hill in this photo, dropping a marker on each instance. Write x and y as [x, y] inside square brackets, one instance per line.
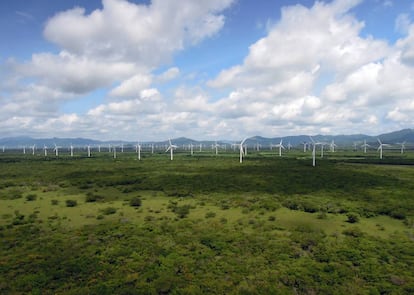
[404, 135]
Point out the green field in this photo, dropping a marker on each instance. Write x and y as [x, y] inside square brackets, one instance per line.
[206, 224]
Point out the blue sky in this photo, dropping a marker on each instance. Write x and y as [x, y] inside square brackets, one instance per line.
[149, 70]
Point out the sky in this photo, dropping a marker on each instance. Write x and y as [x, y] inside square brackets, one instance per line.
[207, 70]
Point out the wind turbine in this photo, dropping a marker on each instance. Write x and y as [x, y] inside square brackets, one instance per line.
[171, 148]
[280, 146]
[332, 146]
[381, 146]
[242, 150]
[138, 146]
[122, 147]
[289, 146]
[201, 147]
[402, 147]
[114, 148]
[314, 144]
[215, 146]
[33, 149]
[304, 146]
[89, 151]
[71, 150]
[191, 149]
[24, 150]
[45, 150]
[365, 145]
[152, 148]
[99, 148]
[56, 150]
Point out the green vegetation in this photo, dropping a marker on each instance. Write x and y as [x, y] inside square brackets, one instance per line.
[206, 224]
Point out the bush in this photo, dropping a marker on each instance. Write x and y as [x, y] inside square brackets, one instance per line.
[31, 197]
[210, 214]
[135, 202]
[182, 211]
[109, 210]
[55, 202]
[352, 218]
[71, 203]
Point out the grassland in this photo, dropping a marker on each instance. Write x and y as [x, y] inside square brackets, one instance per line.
[207, 224]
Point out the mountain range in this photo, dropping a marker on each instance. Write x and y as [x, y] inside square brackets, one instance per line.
[404, 135]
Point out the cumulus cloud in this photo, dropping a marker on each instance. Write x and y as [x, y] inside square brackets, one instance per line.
[125, 31]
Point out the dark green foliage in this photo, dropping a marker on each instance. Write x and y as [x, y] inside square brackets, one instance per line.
[71, 203]
[135, 202]
[31, 197]
[253, 253]
[352, 217]
[109, 210]
[91, 197]
[210, 214]
[54, 202]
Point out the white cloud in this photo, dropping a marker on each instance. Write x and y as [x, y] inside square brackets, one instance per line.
[124, 31]
[132, 86]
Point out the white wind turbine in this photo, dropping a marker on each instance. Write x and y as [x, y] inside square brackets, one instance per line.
[365, 145]
[45, 150]
[33, 149]
[71, 150]
[280, 146]
[114, 148]
[289, 146]
[332, 146]
[171, 148]
[216, 146]
[24, 150]
[99, 148]
[138, 146]
[304, 146]
[89, 151]
[403, 147]
[191, 149]
[241, 150]
[381, 146]
[56, 150]
[314, 144]
[201, 147]
[152, 148]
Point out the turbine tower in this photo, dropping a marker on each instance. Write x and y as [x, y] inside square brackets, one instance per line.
[71, 150]
[402, 147]
[381, 146]
[241, 150]
[365, 145]
[138, 146]
[314, 144]
[45, 150]
[89, 151]
[280, 146]
[171, 148]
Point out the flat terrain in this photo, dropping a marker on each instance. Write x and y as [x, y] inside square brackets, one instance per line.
[207, 224]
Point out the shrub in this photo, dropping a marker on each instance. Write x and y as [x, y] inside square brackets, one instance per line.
[31, 197]
[135, 202]
[109, 210]
[210, 214]
[71, 203]
[182, 211]
[271, 218]
[55, 202]
[352, 218]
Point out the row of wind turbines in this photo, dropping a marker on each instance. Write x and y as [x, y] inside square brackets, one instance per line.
[242, 148]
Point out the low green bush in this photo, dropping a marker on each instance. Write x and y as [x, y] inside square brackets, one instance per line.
[71, 203]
